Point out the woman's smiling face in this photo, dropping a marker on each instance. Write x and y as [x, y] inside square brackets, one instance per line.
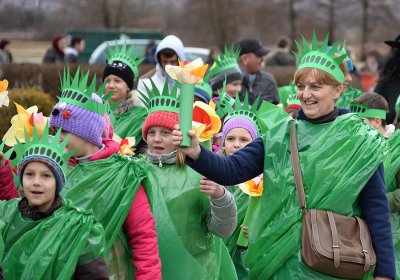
[317, 99]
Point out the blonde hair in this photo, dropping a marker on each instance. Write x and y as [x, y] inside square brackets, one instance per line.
[180, 159]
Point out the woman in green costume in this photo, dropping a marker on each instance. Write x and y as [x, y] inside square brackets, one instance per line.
[373, 108]
[120, 76]
[45, 236]
[341, 161]
[188, 222]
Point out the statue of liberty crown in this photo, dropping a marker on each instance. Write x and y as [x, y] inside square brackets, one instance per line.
[362, 110]
[76, 92]
[161, 101]
[47, 145]
[127, 56]
[320, 57]
[238, 110]
[226, 60]
[292, 98]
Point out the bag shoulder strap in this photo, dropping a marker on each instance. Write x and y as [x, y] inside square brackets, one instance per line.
[298, 179]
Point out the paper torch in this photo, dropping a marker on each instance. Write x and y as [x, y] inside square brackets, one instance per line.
[187, 74]
[254, 189]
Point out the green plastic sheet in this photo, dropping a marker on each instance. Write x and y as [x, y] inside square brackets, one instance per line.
[236, 252]
[50, 248]
[392, 169]
[347, 97]
[337, 160]
[187, 249]
[108, 187]
[130, 123]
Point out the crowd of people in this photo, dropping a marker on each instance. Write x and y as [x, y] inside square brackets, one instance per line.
[105, 189]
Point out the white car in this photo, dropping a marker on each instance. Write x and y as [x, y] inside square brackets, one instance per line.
[98, 55]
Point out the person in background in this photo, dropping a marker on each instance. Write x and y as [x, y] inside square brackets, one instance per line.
[72, 52]
[149, 53]
[389, 80]
[120, 76]
[55, 54]
[373, 109]
[255, 82]
[281, 56]
[226, 72]
[168, 52]
[5, 52]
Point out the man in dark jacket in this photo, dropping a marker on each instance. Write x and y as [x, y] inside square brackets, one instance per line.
[255, 82]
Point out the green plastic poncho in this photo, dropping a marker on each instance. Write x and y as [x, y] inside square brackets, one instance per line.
[187, 249]
[337, 160]
[49, 248]
[348, 95]
[237, 253]
[129, 124]
[108, 187]
[2, 226]
[392, 168]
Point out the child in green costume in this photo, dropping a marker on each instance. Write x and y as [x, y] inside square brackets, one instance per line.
[103, 181]
[373, 108]
[120, 76]
[188, 222]
[45, 236]
[237, 132]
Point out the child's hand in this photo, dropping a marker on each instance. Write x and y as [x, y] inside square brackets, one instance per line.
[245, 231]
[2, 160]
[211, 188]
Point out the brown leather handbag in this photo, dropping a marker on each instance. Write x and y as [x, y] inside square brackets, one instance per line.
[333, 244]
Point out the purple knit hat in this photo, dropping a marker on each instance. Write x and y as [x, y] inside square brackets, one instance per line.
[78, 121]
[238, 122]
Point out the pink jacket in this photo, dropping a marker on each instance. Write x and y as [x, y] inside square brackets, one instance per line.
[139, 225]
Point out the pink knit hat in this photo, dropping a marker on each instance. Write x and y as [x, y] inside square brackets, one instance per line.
[238, 122]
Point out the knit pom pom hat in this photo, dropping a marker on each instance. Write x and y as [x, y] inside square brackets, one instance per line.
[160, 118]
[238, 122]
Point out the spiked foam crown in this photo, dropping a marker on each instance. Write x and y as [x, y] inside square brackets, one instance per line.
[226, 60]
[161, 101]
[320, 57]
[244, 110]
[76, 92]
[127, 56]
[47, 146]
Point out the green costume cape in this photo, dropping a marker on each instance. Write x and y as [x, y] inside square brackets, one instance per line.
[337, 160]
[348, 95]
[130, 123]
[237, 253]
[108, 187]
[392, 168]
[49, 248]
[187, 249]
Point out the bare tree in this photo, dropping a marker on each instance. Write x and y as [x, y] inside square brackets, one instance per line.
[292, 19]
[364, 26]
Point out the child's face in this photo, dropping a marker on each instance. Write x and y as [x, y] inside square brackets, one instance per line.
[233, 87]
[76, 142]
[236, 139]
[118, 87]
[39, 185]
[159, 140]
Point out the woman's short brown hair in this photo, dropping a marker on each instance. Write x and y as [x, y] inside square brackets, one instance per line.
[320, 76]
